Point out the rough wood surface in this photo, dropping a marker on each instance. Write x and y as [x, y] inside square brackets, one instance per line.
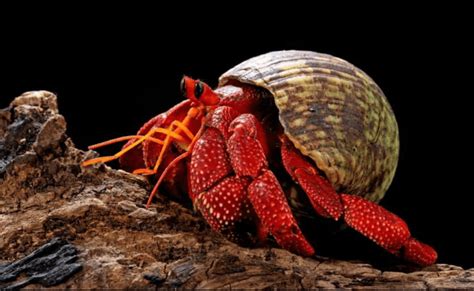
[44, 193]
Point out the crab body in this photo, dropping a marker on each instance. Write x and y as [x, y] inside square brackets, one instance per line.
[318, 119]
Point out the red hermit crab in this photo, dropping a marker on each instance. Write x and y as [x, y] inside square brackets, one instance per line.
[280, 121]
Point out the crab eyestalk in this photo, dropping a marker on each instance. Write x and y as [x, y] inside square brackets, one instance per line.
[198, 92]
[203, 99]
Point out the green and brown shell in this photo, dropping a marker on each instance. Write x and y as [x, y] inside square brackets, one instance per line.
[334, 113]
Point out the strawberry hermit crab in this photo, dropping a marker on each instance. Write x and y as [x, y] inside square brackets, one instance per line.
[280, 121]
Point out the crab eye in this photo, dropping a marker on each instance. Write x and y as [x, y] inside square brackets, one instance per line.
[182, 86]
[198, 89]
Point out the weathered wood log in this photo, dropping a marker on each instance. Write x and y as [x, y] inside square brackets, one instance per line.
[44, 193]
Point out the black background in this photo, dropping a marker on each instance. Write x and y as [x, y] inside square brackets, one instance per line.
[112, 74]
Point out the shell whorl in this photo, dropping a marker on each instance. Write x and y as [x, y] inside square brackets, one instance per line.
[334, 113]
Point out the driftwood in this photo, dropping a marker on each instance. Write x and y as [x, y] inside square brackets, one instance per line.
[47, 201]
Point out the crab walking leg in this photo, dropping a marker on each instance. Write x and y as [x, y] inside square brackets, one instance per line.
[325, 201]
[229, 181]
[248, 158]
[271, 206]
[373, 221]
[386, 229]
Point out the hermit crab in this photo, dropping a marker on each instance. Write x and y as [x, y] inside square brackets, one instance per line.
[277, 122]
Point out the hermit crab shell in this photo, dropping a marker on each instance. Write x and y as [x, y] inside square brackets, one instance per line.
[333, 113]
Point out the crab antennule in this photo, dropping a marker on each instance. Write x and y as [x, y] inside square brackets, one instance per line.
[140, 140]
[170, 137]
[175, 135]
[120, 139]
[192, 113]
[174, 162]
[183, 128]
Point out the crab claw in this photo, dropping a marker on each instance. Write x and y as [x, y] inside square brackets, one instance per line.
[225, 204]
[221, 118]
[271, 207]
[209, 162]
[247, 146]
